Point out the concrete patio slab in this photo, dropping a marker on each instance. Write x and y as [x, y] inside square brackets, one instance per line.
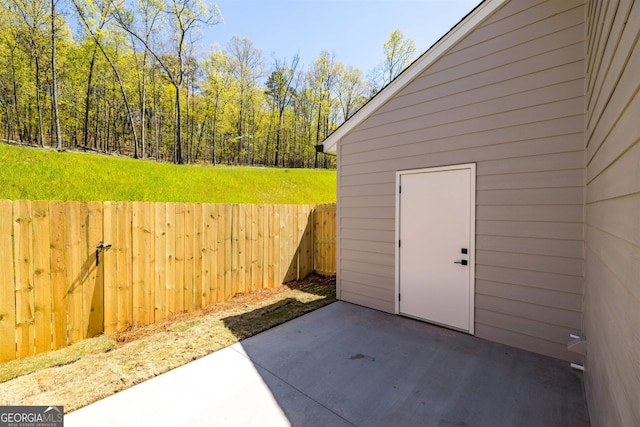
[349, 365]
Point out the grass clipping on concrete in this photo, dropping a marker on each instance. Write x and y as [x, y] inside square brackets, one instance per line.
[99, 367]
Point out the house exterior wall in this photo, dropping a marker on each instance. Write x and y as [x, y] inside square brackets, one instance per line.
[510, 98]
[612, 213]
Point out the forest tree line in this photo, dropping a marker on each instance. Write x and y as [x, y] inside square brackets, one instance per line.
[126, 77]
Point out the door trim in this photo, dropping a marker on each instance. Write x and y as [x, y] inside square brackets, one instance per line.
[472, 237]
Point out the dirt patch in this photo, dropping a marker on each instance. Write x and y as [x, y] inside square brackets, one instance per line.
[240, 302]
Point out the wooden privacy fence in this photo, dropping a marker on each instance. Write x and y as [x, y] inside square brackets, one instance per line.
[72, 270]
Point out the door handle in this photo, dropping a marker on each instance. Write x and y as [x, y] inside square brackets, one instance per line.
[463, 262]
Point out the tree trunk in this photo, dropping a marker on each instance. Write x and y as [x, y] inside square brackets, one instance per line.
[87, 99]
[54, 79]
[15, 95]
[39, 103]
[178, 156]
[143, 105]
[215, 130]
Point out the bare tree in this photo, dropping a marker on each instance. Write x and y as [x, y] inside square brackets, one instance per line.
[322, 78]
[183, 18]
[96, 39]
[54, 79]
[351, 91]
[281, 93]
[246, 65]
[32, 14]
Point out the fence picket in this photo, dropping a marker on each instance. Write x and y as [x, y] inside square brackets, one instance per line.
[93, 304]
[221, 256]
[208, 249]
[124, 267]
[170, 301]
[164, 258]
[137, 263]
[74, 270]
[273, 232]
[160, 274]
[7, 284]
[198, 248]
[23, 272]
[227, 220]
[179, 259]
[149, 262]
[41, 275]
[190, 237]
[109, 264]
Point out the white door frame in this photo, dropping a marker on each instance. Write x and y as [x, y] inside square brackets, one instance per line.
[472, 237]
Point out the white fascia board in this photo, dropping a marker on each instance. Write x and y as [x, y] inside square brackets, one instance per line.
[457, 33]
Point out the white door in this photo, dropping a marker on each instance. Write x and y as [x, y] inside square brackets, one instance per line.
[436, 216]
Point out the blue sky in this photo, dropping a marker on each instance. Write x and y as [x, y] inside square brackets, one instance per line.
[355, 30]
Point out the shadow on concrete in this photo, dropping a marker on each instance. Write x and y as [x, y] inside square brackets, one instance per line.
[350, 365]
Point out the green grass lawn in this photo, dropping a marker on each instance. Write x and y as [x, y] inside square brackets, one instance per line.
[42, 174]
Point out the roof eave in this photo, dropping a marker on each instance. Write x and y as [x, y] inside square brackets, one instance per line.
[458, 32]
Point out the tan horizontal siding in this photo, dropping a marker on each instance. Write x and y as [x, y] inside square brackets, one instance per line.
[512, 149]
[370, 258]
[562, 59]
[533, 295]
[387, 248]
[621, 256]
[537, 55]
[500, 34]
[384, 200]
[532, 328]
[544, 314]
[510, 98]
[546, 264]
[365, 298]
[541, 213]
[557, 126]
[481, 120]
[620, 137]
[545, 179]
[536, 246]
[540, 230]
[367, 224]
[368, 178]
[369, 189]
[531, 196]
[502, 20]
[373, 235]
[622, 177]
[612, 212]
[526, 342]
[495, 97]
[612, 326]
[369, 269]
[534, 162]
[618, 217]
[387, 213]
[529, 278]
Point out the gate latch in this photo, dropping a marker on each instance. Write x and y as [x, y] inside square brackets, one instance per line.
[101, 247]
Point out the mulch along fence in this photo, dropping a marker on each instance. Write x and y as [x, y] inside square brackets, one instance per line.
[73, 270]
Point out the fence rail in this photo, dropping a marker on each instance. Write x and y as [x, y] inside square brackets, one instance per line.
[72, 270]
